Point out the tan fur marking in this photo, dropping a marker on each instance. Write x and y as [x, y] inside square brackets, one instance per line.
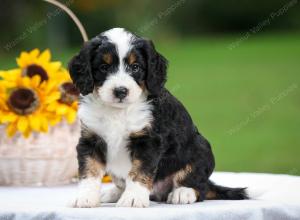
[180, 175]
[131, 58]
[211, 195]
[136, 175]
[94, 168]
[139, 133]
[107, 58]
[197, 193]
[143, 85]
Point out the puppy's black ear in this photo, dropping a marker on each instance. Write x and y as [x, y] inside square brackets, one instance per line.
[156, 69]
[80, 67]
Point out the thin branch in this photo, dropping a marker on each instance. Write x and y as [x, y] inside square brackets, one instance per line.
[73, 16]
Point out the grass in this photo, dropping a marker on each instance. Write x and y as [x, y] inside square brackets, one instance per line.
[230, 95]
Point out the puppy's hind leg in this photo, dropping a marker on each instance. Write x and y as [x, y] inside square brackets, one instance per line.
[185, 189]
[190, 183]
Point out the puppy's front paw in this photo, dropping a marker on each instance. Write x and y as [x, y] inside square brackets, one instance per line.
[88, 194]
[182, 195]
[89, 201]
[132, 198]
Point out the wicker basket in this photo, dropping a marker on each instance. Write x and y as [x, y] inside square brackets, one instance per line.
[41, 160]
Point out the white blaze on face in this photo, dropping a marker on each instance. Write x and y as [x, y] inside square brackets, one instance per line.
[120, 78]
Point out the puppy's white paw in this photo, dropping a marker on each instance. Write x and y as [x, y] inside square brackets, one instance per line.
[182, 195]
[88, 193]
[132, 199]
[86, 201]
[135, 195]
[111, 194]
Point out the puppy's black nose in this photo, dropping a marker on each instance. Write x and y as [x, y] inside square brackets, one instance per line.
[120, 92]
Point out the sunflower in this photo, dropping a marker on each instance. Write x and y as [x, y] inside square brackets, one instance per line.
[38, 93]
[6, 82]
[24, 102]
[35, 63]
[67, 105]
[2, 97]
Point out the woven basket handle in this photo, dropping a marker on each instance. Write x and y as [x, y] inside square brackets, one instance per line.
[73, 17]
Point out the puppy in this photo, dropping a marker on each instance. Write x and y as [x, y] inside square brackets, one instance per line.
[134, 129]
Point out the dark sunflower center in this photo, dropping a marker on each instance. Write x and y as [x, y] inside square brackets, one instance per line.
[23, 101]
[69, 93]
[34, 69]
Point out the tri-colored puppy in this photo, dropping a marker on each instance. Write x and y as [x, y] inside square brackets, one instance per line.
[134, 129]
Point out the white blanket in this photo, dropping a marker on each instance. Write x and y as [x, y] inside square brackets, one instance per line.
[276, 197]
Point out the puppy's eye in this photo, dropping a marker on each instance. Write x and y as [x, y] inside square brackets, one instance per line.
[135, 67]
[104, 68]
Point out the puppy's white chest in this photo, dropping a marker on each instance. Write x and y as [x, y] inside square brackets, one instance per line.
[115, 126]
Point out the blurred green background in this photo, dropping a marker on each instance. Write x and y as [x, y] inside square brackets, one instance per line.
[234, 64]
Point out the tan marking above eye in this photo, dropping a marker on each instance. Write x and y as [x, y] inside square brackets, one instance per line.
[131, 58]
[107, 58]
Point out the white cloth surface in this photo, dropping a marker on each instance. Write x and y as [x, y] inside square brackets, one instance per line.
[277, 197]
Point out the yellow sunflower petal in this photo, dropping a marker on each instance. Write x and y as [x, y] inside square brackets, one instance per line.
[26, 81]
[50, 86]
[22, 124]
[71, 116]
[55, 120]
[44, 124]
[45, 56]
[23, 60]
[11, 129]
[62, 109]
[27, 133]
[34, 123]
[3, 105]
[34, 53]
[74, 105]
[63, 76]
[11, 75]
[52, 107]
[9, 84]
[9, 117]
[53, 97]
[55, 66]
[35, 81]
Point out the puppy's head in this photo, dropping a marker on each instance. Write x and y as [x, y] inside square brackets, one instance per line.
[118, 67]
